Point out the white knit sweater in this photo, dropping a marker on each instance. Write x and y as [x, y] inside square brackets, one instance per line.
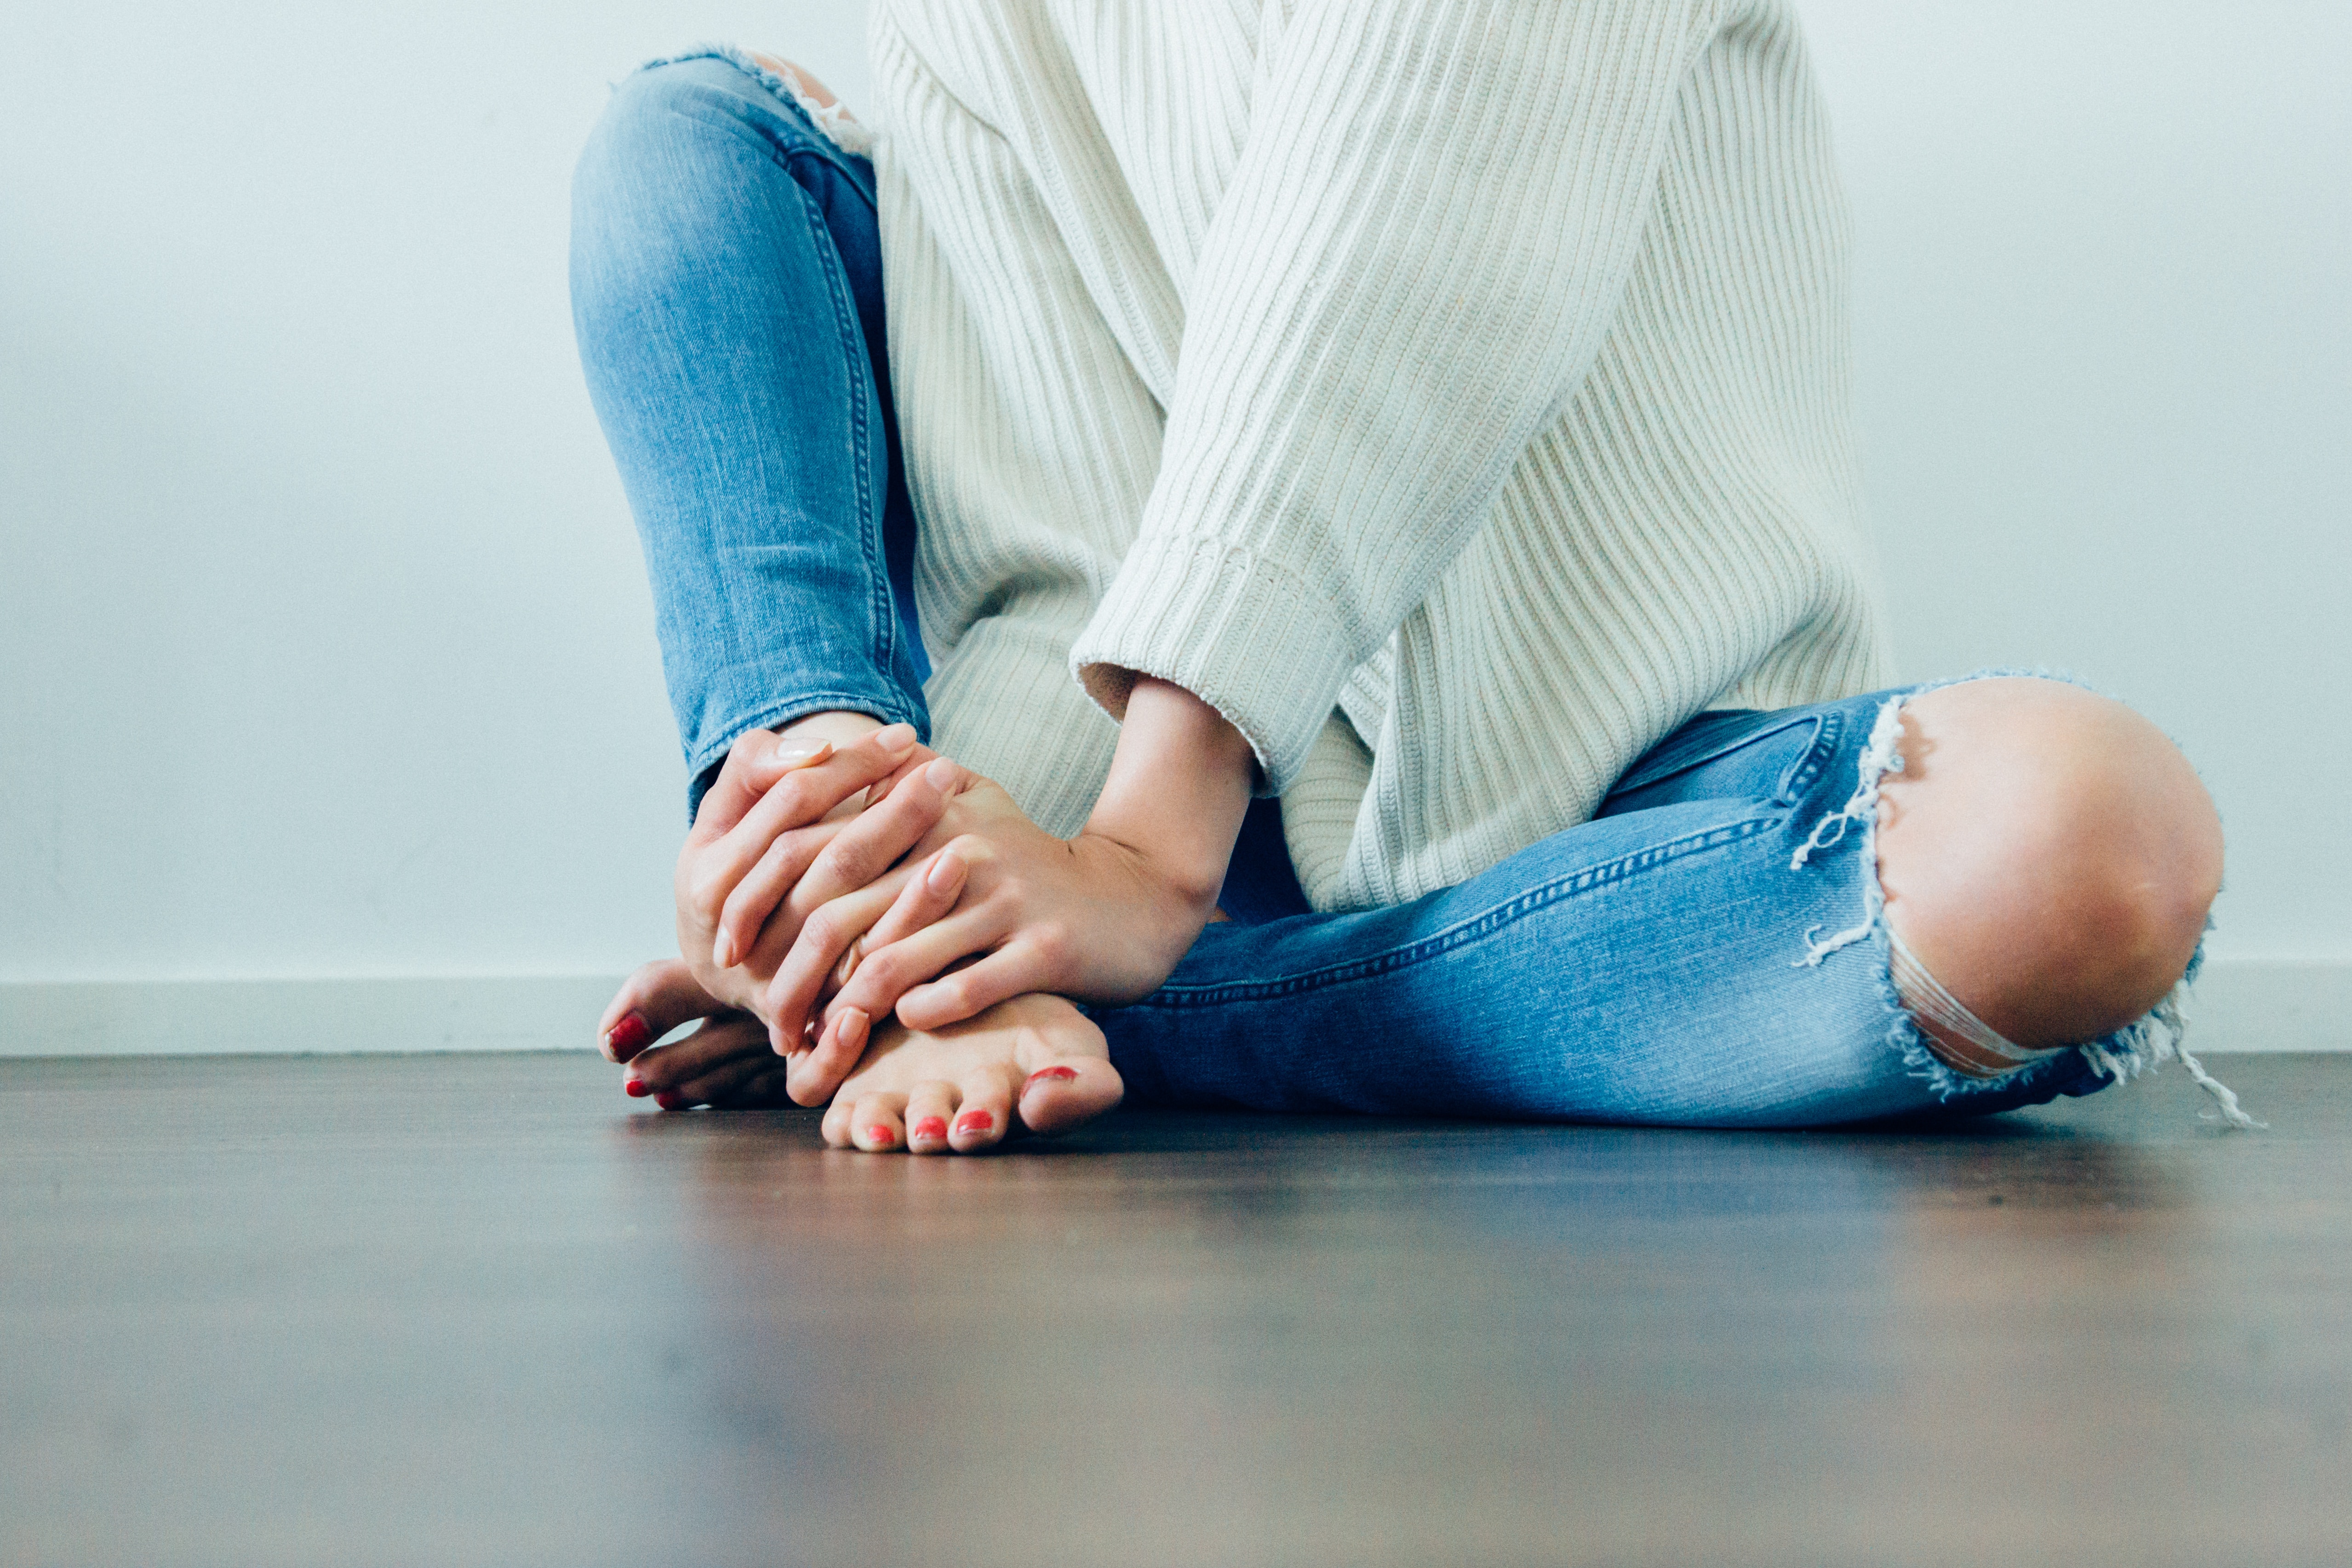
[1453, 393]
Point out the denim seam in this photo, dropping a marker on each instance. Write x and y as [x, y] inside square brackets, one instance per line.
[882, 616]
[1486, 923]
[1828, 736]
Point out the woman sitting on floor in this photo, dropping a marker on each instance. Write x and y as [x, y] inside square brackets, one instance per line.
[1364, 495]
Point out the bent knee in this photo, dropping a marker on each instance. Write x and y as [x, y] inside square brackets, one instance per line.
[2049, 856]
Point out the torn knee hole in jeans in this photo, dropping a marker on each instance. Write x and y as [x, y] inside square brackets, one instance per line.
[1941, 1036]
[838, 126]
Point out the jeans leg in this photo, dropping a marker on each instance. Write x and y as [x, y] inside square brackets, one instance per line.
[726, 290]
[1648, 966]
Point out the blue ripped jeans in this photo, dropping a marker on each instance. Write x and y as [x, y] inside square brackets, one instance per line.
[1663, 962]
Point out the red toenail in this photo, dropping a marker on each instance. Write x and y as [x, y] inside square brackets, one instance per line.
[880, 1134]
[931, 1127]
[974, 1121]
[638, 1088]
[1059, 1075]
[669, 1100]
[630, 1033]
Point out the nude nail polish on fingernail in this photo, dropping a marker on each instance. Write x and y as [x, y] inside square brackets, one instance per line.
[895, 736]
[945, 869]
[941, 774]
[722, 951]
[854, 1025]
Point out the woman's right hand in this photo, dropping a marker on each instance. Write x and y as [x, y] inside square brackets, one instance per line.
[762, 855]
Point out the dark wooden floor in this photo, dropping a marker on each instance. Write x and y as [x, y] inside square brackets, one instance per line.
[479, 1309]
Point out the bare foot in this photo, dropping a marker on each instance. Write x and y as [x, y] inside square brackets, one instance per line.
[1034, 1063]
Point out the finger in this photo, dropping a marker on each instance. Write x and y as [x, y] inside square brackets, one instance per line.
[929, 1109]
[915, 966]
[668, 1067]
[802, 795]
[774, 873]
[1015, 970]
[822, 940]
[986, 1115]
[754, 762]
[874, 1125]
[877, 839]
[928, 896]
[800, 799]
[812, 1076]
[918, 760]
[652, 1001]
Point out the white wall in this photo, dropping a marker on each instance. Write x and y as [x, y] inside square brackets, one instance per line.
[323, 645]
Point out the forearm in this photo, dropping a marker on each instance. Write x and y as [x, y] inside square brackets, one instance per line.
[1179, 786]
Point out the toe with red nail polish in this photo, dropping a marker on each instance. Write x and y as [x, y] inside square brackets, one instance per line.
[975, 1122]
[931, 1127]
[629, 1033]
[669, 1100]
[1051, 1075]
[638, 1088]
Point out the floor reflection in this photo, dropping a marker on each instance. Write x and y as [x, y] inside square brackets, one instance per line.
[1101, 1333]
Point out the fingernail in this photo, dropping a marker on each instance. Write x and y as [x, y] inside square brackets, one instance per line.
[945, 869]
[669, 1100]
[628, 1033]
[941, 774]
[854, 1024]
[1058, 1075]
[931, 1127]
[793, 754]
[877, 1133]
[722, 951]
[895, 737]
[638, 1088]
[974, 1121]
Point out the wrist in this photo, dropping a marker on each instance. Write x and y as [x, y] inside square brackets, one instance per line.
[1179, 786]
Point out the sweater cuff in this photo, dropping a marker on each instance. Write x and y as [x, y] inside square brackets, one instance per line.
[1238, 630]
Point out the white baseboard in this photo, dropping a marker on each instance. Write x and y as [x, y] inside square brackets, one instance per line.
[2246, 1004]
[214, 1018]
[2272, 1005]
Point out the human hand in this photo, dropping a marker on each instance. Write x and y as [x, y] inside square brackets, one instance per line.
[1090, 918]
[764, 852]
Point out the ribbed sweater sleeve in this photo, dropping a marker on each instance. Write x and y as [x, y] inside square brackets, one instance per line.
[1424, 239]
